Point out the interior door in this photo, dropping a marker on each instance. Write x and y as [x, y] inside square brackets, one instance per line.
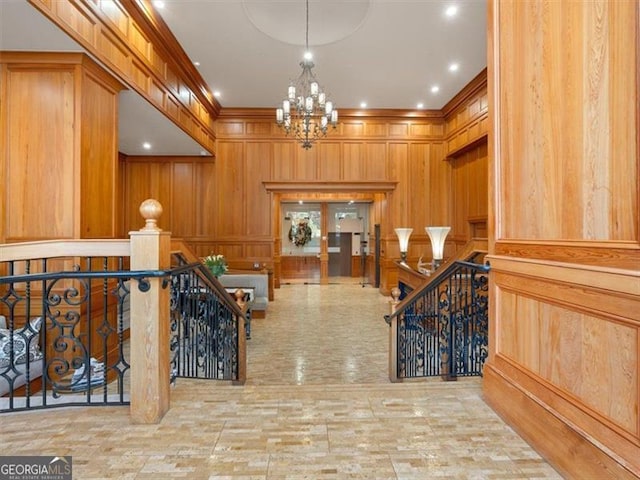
[345, 255]
[335, 252]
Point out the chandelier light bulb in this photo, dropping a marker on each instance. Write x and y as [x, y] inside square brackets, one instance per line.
[328, 107]
[308, 55]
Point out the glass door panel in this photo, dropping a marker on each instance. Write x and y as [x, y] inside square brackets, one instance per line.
[300, 237]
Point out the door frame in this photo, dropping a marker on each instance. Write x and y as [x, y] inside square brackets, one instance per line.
[317, 192]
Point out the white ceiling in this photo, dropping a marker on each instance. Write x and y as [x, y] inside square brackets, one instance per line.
[387, 53]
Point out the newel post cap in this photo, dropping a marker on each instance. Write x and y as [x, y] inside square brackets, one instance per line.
[150, 209]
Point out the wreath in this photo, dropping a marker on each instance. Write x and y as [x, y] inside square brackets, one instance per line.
[300, 235]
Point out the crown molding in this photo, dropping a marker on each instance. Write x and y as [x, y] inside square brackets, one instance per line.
[397, 114]
[154, 26]
[470, 89]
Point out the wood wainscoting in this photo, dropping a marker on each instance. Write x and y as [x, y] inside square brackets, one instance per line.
[300, 266]
[564, 243]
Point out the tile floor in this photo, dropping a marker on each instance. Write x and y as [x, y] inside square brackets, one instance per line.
[317, 405]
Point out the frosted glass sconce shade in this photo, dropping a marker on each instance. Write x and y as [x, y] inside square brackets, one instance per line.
[437, 236]
[403, 238]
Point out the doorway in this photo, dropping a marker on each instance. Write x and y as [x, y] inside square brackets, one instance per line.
[323, 242]
[347, 238]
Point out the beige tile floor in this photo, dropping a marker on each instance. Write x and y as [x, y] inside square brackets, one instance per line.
[317, 405]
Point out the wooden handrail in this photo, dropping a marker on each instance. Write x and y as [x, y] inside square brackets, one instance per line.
[235, 303]
[64, 248]
[178, 247]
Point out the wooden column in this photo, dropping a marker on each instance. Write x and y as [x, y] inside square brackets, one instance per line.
[150, 250]
[59, 137]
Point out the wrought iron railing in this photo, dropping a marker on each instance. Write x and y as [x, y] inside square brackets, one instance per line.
[442, 328]
[207, 326]
[64, 341]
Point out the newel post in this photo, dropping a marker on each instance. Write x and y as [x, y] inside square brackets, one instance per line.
[150, 250]
[242, 338]
[393, 338]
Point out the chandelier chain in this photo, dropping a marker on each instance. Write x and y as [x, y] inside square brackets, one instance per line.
[306, 42]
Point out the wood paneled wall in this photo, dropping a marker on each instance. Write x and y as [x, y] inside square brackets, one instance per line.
[184, 187]
[250, 151]
[466, 128]
[58, 125]
[470, 182]
[404, 149]
[137, 46]
[564, 234]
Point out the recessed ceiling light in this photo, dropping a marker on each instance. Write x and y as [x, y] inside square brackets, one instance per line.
[420, 105]
[158, 4]
[454, 67]
[300, 202]
[146, 146]
[363, 104]
[217, 93]
[435, 89]
[451, 11]
[197, 64]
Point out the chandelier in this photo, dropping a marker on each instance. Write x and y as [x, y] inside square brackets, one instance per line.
[306, 113]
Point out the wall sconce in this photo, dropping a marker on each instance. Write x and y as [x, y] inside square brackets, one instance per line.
[403, 238]
[437, 236]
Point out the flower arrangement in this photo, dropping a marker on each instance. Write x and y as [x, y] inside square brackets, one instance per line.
[216, 264]
[300, 234]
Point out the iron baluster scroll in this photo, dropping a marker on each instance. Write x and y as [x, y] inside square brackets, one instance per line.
[205, 326]
[442, 329]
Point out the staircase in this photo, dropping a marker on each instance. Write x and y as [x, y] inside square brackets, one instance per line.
[440, 328]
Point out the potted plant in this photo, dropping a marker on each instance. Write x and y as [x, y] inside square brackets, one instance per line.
[216, 264]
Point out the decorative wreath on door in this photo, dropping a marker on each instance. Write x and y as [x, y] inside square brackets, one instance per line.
[300, 234]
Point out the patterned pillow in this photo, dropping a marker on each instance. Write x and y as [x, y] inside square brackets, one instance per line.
[25, 342]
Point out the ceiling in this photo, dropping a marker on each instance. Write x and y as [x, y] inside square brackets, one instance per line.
[387, 53]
